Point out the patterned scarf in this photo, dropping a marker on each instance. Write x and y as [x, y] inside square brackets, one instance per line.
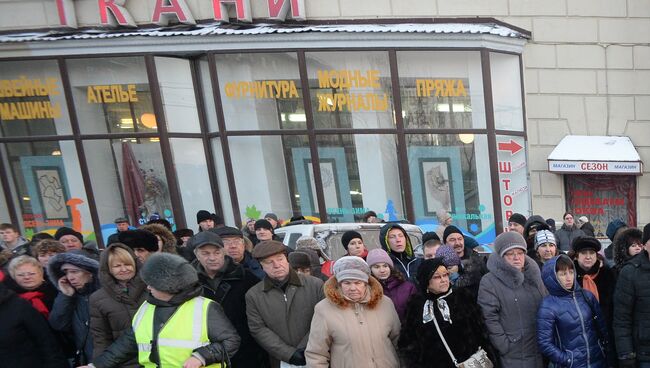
[428, 313]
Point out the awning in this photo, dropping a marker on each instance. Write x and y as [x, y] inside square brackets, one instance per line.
[580, 154]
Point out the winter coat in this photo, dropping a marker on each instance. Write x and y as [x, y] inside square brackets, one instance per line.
[565, 236]
[25, 337]
[278, 319]
[19, 249]
[588, 229]
[632, 308]
[509, 299]
[41, 298]
[113, 306]
[222, 335]
[346, 334]
[405, 262]
[229, 290]
[420, 345]
[252, 265]
[566, 327]
[399, 292]
[471, 271]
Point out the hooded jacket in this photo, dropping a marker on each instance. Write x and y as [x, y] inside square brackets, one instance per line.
[404, 262]
[509, 299]
[168, 238]
[566, 235]
[113, 306]
[566, 328]
[399, 292]
[347, 334]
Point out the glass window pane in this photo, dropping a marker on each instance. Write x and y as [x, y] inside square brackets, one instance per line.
[441, 89]
[273, 174]
[222, 181]
[359, 174]
[112, 95]
[350, 89]
[451, 172]
[208, 96]
[192, 176]
[32, 101]
[261, 91]
[177, 93]
[506, 91]
[47, 182]
[513, 176]
[128, 179]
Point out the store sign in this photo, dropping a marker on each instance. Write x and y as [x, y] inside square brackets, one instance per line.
[113, 93]
[114, 13]
[346, 81]
[513, 178]
[440, 88]
[262, 89]
[28, 99]
[595, 167]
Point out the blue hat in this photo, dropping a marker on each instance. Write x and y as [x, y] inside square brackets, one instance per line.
[613, 227]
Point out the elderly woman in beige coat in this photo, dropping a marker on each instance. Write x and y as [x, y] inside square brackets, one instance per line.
[356, 325]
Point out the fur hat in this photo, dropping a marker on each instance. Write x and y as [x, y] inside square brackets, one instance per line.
[613, 227]
[139, 239]
[378, 256]
[263, 224]
[451, 229]
[646, 234]
[75, 258]
[427, 268]
[63, 231]
[507, 241]
[543, 237]
[203, 215]
[348, 236]
[204, 238]
[168, 273]
[308, 242]
[268, 248]
[271, 215]
[183, 232]
[164, 233]
[430, 235]
[299, 259]
[518, 218]
[448, 255]
[585, 242]
[226, 231]
[351, 268]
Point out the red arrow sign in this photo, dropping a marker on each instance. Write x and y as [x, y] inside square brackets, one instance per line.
[511, 146]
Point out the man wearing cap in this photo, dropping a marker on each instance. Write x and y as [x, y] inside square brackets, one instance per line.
[72, 240]
[233, 241]
[227, 282]
[472, 265]
[516, 222]
[545, 247]
[273, 219]
[122, 224]
[205, 220]
[144, 243]
[175, 326]
[280, 308]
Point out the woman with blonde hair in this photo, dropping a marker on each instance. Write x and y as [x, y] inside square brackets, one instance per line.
[28, 281]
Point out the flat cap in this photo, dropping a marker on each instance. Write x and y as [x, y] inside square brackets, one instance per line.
[268, 248]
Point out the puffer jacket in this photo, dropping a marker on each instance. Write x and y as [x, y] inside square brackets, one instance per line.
[509, 299]
[566, 235]
[405, 262]
[113, 306]
[566, 329]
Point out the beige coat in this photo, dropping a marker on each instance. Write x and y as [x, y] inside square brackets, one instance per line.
[353, 335]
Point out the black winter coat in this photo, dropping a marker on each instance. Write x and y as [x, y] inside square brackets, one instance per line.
[420, 345]
[25, 337]
[229, 290]
[632, 308]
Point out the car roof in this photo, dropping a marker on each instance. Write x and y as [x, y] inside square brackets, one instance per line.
[343, 226]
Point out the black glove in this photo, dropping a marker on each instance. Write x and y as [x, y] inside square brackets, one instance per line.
[298, 357]
[627, 363]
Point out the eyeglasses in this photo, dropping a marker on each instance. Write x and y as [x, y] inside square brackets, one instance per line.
[440, 276]
[232, 241]
[26, 274]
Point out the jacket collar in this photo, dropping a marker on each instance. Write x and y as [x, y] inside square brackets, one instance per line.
[510, 275]
[294, 279]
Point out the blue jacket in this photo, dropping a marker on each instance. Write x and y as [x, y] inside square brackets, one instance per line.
[566, 331]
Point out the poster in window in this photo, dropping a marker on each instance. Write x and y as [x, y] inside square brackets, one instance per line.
[51, 193]
[436, 174]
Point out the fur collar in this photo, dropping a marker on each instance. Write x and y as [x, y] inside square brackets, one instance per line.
[333, 293]
[510, 275]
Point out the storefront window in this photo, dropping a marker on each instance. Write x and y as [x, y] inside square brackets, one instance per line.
[192, 176]
[441, 89]
[360, 173]
[350, 89]
[506, 91]
[513, 177]
[47, 186]
[222, 182]
[32, 101]
[451, 173]
[112, 95]
[273, 174]
[260, 91]
[128, 180]
[177, 93]
[208, 95]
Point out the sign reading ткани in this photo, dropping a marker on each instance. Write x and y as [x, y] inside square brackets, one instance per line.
[113, 13]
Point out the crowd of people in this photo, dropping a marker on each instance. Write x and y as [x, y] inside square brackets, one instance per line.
[229, 297]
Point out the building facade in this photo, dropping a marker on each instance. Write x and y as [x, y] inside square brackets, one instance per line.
[411, 109]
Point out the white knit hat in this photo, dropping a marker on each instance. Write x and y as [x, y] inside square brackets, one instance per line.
[351, 268]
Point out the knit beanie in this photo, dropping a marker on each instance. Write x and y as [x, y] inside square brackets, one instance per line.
[448, 255]
[543, 237]
[263, 224]
[585, 242]
[348, 236]
[168, 273]
[378, 256]
[351, 268]
[613, 227]
[518, 218]
[63, 231]
[430, 235]
[451, 229]
[427, 268]
[507, 241]
[203, 215]
[646, 234]
[271, 215]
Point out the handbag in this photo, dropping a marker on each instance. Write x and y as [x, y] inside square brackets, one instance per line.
[477, 360]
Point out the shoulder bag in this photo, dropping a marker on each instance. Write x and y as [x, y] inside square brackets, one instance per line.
[477, 360]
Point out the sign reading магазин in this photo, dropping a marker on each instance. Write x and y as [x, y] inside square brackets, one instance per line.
[595, 167]
[115, 13]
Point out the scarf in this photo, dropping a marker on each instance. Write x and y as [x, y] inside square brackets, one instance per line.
[428, 313]
[589, 283]
[36, 298]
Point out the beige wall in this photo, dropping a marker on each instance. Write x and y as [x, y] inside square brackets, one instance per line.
[587, 68]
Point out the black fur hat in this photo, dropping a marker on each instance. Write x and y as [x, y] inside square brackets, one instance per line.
[63, 231]
[139, 239]
[168, 273]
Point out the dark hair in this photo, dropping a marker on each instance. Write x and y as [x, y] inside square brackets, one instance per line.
[393, 272]
[566, 213]
[6, 226]
[563, 263]
[432, 243]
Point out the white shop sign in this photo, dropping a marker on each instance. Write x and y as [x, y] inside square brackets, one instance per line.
[595, 167]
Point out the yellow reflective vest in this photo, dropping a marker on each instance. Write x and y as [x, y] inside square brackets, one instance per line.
[186, 330]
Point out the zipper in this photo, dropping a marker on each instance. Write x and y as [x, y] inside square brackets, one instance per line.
[584, 331]
[160, 331]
